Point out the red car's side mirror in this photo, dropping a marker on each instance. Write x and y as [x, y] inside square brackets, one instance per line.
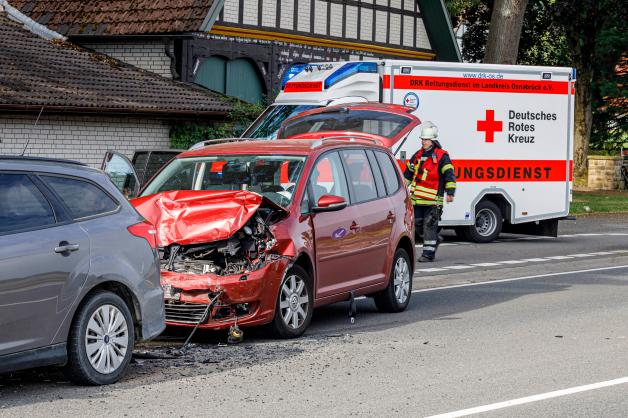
[329, 203]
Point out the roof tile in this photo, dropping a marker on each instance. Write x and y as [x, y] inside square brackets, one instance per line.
[36, 72]
[117, 17]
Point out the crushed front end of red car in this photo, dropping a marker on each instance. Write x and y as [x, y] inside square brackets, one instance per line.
[217, 246]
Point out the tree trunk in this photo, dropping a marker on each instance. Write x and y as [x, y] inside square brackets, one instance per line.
[504, 32]
[583, 119]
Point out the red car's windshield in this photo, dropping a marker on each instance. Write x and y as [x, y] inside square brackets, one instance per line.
[272, 176]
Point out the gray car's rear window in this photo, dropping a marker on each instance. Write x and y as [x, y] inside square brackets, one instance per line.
[84, 199]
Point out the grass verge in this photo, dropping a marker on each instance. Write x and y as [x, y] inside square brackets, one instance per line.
[599, 202]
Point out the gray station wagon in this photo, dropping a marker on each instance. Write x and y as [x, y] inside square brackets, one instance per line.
[79, 274]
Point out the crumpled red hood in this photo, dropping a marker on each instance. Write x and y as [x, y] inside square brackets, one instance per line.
[198, 216]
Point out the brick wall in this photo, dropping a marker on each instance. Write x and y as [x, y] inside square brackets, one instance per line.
[82, 138]
[604, 173]
[148, 55]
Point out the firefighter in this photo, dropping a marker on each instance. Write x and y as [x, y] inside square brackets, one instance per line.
[429, 176]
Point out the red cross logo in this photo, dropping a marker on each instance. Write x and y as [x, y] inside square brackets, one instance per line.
[490, 126]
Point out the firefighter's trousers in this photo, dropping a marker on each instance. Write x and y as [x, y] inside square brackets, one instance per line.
[426, 224]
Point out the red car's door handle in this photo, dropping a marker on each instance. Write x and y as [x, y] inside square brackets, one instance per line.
[354, 227]
[391, 216]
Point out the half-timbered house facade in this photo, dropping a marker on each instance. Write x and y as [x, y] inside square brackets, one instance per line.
[242, 47]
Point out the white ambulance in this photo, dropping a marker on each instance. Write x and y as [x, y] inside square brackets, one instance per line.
[508, 129]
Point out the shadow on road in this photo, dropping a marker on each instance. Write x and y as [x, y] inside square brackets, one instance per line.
[210, 356]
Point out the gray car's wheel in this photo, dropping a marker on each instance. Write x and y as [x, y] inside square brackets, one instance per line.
[295, 304]
[101, 340]
[396, 296]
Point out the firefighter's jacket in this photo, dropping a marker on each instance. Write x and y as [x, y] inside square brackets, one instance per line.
[429, 175]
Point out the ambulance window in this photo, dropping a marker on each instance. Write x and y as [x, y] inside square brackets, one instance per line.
[360, 175]
[379, 180]
[389, 171]
[267, 125]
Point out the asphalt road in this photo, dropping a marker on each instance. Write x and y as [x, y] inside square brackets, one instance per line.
[546, 336]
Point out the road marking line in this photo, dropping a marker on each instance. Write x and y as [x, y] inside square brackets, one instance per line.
[617, 234]
[514, 279]
[533, 398]
[485, 264]
[603, 253]
[581, 255]
[430, 270]
[590, 235]
[535, 259]
[513, 262]
[462, 267]
[620, 251]
[559, 257]
[444, 244]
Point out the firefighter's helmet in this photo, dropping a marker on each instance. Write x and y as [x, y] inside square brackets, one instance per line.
[429, 132]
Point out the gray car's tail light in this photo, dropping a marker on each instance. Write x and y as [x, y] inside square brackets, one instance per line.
[145, 230]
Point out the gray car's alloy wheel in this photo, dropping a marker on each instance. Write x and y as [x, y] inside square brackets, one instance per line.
[106, 339]
[101, 340]
[295, 304]
[396, 296]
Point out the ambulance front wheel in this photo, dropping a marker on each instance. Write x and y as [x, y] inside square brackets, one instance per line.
[488, 222]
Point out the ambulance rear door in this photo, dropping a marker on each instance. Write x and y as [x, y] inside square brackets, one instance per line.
[508, 130]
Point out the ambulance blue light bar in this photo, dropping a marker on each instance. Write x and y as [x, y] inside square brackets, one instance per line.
[348, 70]
[291, 72]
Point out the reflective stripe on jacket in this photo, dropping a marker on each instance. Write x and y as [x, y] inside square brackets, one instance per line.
[424, 185]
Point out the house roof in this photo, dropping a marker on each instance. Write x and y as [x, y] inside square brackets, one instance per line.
[117, 17]
[61, 76]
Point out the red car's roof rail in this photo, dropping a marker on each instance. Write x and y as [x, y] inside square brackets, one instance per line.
[348, 138]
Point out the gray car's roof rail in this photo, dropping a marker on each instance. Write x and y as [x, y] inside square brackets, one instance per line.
[40, 159]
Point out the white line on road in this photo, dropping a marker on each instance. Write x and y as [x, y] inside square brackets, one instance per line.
[525, 260]
[485, 264]
[514, 279]
[533, 398]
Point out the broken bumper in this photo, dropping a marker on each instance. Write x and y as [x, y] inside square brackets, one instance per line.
[248, 297]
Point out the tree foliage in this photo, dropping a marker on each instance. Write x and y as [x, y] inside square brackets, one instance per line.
[242, 114]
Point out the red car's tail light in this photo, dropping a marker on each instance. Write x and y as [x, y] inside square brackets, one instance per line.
[145, 230]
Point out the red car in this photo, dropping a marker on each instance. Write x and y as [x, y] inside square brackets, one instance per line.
[265, 231]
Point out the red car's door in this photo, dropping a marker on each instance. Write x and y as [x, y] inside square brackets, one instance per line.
[375, 215]
[336, 237]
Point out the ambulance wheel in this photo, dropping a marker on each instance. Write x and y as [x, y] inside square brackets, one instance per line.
[488, 222]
